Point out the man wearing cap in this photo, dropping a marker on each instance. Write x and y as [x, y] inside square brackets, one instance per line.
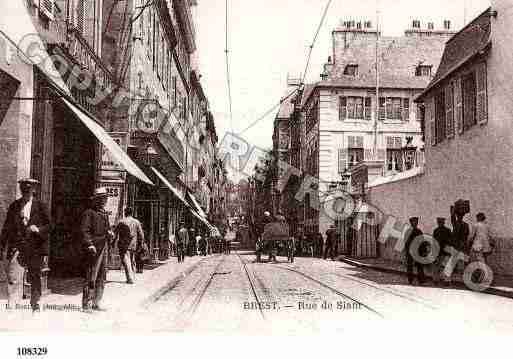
[96, 236]
[25, 238]
[331, 241]
[414, 232]
[443, 236]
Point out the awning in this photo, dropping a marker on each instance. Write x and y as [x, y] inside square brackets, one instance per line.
[170, 186]
[115, 150]
[196, 204]
[202, 219]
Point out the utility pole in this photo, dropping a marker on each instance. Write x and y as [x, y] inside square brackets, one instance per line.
[377, 81]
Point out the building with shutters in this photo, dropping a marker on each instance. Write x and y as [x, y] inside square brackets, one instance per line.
[468, 138]
[346, 123]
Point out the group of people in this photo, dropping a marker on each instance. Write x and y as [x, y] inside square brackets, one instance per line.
[190, 243]
[301, 244]
[24, 244]
[475, 241]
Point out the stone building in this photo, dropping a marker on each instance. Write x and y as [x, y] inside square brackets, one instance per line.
[353, 117]
[468, 138]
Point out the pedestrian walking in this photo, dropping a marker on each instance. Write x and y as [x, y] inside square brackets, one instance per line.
[460, 230]
[331, 239]
[410, 260]
[443, 236]
[96, 236]
[182, 238]
[319, 244]
[24, 238]
[291, 249]
[130, 233]
[191, 243]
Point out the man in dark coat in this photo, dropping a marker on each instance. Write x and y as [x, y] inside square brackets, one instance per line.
[130, 234]
[443, 236]
[96, 236]
[410, 261]
[182, 238]
[331, 240]
[25, 237]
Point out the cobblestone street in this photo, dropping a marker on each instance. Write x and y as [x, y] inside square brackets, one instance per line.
[233, 294]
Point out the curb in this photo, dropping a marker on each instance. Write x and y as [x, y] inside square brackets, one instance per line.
[491, 290]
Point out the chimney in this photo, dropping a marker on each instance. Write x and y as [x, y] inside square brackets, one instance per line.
[447, 24]
[415, 24]
[431, 26]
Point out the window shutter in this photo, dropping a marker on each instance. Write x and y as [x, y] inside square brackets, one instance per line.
[342, 160]
[430, 119]
[351, 142]
[390, 142]
[368, 108]
[449, 117]
[368, 154]
[458, 108]
[482, 98]
[89, 22]
[343, 108]
[406, 109]
[389, 108]
[359, 141]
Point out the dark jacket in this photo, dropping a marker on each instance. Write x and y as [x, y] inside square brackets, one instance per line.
[443, 236]
[130, 233]
[415, 232]
[15, 235]
[331, 237]
[94, 229]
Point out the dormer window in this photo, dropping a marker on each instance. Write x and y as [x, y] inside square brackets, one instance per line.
[351, 70]
[423, 70]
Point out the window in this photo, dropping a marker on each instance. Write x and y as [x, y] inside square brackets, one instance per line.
[394, 108]
[394, 160]
[469, 100]
[440, 116]
[351, 70]
[355, 151]
[394, 153]
[423, 70]
[355, 108]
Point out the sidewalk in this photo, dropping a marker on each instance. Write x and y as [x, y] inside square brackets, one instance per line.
[119, 297]
[502, 285]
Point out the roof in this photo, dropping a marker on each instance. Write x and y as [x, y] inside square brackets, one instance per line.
[399, 58]
[463, 46]
[287, 106]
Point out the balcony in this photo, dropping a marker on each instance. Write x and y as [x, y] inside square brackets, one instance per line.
[184, 14]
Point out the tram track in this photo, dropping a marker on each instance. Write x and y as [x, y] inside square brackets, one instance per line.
[331, 289]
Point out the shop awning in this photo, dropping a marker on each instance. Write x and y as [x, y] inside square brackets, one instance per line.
[169, 185]
[196, 204]
[115, 150]
[202, 219]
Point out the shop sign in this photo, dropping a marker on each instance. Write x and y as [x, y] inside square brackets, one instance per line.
[114, 205]
[111, 169]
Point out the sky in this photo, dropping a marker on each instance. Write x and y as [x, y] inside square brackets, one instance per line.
[269, 40]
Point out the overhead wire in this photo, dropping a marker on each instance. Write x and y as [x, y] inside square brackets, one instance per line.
[305, 73]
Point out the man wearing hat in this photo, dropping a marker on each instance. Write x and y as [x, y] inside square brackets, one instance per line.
[443, 236]
[182, 238]
[331, 241]
[96, 236]
[414, 232]
[130, 235]
[25, 237]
